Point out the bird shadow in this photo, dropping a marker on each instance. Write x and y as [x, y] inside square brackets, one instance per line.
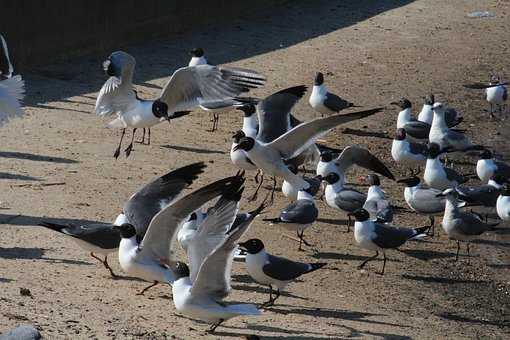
[455, 317]
[37, 158]
[191, 149]
[6, 175]
[242, 278]
[264, 290]
[502, 244]
[437, 279]
[4, 280]
[363, 133]
[25, 220]
[338, 256]
[17, 253]
[51, 107]
[425, 255]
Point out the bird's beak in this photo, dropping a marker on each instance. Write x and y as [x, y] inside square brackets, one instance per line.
[242, 246]
[395, 103]
[440, 195]
[116, 227]
[404, 180]
[319, 177]
[237, 147]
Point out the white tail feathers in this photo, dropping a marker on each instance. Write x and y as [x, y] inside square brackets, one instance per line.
[244, 309]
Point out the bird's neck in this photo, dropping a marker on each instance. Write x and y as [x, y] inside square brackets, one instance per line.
[438, 122]
[250, 125]
[426, 114]
[319, 89]
[451, 208]
[335, 187]
[404, 117]
[120, 220]
[375, 191]
[128, 244]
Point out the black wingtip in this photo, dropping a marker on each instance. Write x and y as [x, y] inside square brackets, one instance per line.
[187, 173]
[233, 190]
[52, 226]
[272, 220]
[179, 114]
[422, 230]
[298, 91]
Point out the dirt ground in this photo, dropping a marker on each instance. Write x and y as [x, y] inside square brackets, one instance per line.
[57, 164]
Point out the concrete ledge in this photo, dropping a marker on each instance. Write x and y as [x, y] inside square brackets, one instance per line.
[39, 31]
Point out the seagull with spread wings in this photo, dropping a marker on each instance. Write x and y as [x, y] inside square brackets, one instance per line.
[186, 89]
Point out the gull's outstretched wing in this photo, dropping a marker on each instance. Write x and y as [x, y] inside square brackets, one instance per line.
[361, 157]
[295, 141]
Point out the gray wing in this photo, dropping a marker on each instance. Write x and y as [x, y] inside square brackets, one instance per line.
[213, 277]
[163, 227]
[453, 175]
[417, 129]
[298, 139]
[98, 234]
[451, 117]
[117, 94]
[350, 200]
[221, 103]
[355, 154]
[143, 205]
[454, 135]
[190, 85]
[6, 69]
[503, 169]
[418, 148]
[426, 202]
[274, 112]
[211, 233]
[315, 185]
[486, 195]
[284, 270]
[335, 103]
[390, 236]
[301, 211]
[472, 224]
[379, 209]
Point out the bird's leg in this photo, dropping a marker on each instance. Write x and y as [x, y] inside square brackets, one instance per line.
[149, 137]
[349, 223]
[256, 178]
[467, 248]
[107, 266]
[273, 190]
[130, 146]
[214, 326]
[147, 288]
[458, 249]
[270, 302]
[277, 295]
[94, 256]
[117, 151]
[384, 263]
[369, 259]
[302, 239]
[254, 196]
[142, 141]
[431, 219]
[216, 120]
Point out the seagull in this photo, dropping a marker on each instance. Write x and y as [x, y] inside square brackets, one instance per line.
[250, 129]
[496, 92]
[487, 166]
[426, 114]
[485, 195]
[445, 137]
[250, 120]
[291, 192]
[414, 128]
[341, 198]
[459, 225]
[377, 237]
[190, 228]
[423, 200]
[96, 238]
[197, 57]
[151, 258]
[408, 152]
[503, 203]
[325, 102]
[12, 88]
[198, 293]
[436, 175]
[376, 203]
[298, 215]
[269, 157]
[270, 270]
[351, 155]
[187, 88]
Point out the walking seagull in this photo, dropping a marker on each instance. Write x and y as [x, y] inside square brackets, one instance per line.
[269, 157]
[460, 225]
[376, 204]
[298, 215]
[198, 293]
[187, 88]
[325, 102]
[496, 92]
[426, 115]
[12, 88]
[487, 166]
[377, 237]
[95, 238]
[271, 270]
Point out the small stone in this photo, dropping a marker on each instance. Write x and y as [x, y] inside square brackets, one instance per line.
[25, 292]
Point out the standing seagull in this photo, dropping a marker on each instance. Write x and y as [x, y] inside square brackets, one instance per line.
[376, 203]
[269, 157]
[97, 238]
[436, 175]
[487, 166]
[292, 193]
[197, 57]
[460, 225]
[485, 195]
[298, 215]
[503, 203]
[325, 102]
[271, 270]
[496, 92]
[144, 259]
[374, 236]
[414, 128]
[12, 88]
[187, 88]
[198, 293]
[452, 117]
[407, 152]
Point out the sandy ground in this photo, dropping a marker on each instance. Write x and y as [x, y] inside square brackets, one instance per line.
[371, 54]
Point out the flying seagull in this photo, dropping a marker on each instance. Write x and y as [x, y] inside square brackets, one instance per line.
[271, 270]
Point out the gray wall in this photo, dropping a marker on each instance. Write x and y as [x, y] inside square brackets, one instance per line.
[38, 31]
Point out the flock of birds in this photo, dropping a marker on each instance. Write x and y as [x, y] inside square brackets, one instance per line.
[159, 218]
